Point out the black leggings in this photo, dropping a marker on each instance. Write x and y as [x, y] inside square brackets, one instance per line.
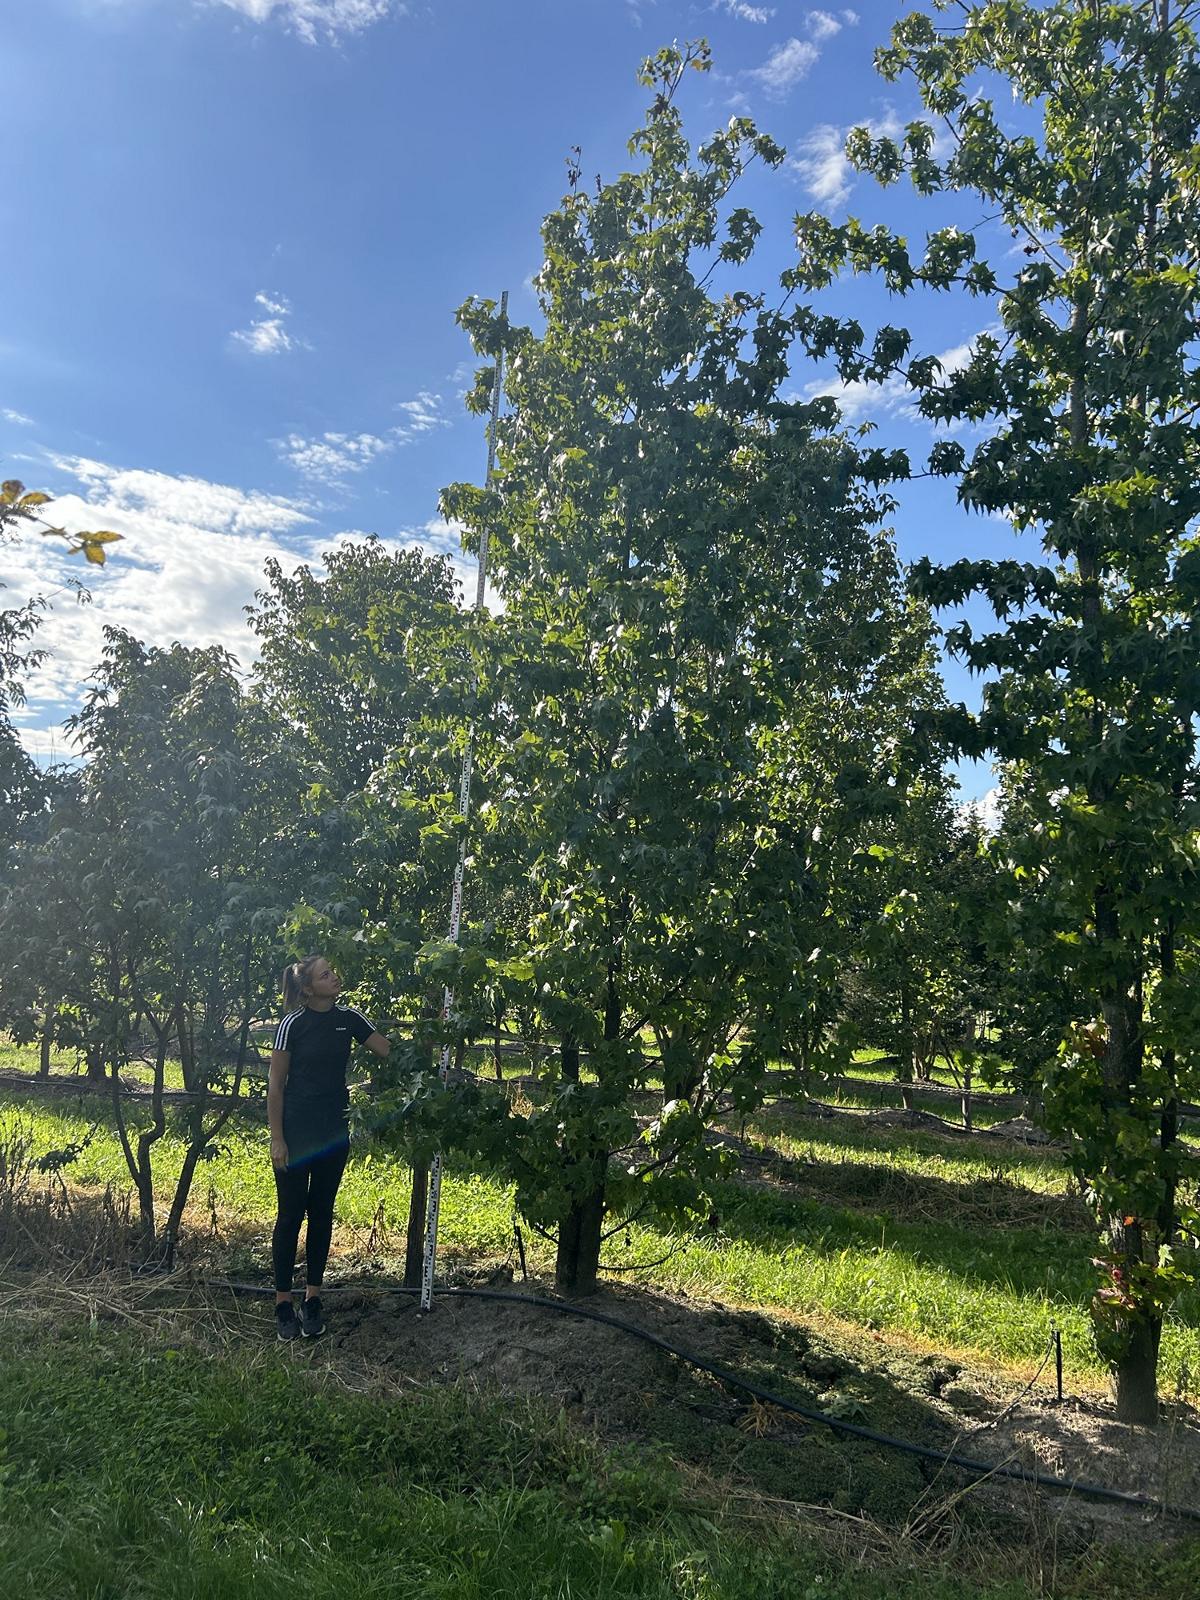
[310, 1187]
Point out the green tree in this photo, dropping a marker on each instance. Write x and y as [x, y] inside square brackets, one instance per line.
[22, 791]
[927, 981]
[1090, 392]
[355, 660]
[674, 543]
[183, 824]
[367, 668]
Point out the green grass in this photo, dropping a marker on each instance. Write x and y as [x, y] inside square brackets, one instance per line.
[861, 1093]
[790, 1131]
[153, 1470]
[139, 1462]
[134, 1466]
[24, 1058]
[144, 1463]
[968, 1285]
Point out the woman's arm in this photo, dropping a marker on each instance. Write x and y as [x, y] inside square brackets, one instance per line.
[281, 1060]
[378, 1045]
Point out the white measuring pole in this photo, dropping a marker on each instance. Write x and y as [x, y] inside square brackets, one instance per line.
[464, 802]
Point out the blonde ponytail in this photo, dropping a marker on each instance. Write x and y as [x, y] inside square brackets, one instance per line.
[295, 982]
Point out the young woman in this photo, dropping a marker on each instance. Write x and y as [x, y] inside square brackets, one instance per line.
[310, 1139]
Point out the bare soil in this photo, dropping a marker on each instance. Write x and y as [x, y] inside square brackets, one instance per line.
[630, 1391]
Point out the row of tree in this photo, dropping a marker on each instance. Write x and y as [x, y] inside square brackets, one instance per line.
[713, 831]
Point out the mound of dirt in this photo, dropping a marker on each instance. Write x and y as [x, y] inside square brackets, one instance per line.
[605, 1375]
[1081, 1440]
[629, 1390]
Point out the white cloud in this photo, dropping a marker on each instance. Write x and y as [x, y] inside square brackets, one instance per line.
[48, 746]
[334, 456]
[820, 159]
[785, 66]
[744, 12]
[190, 557]
[893, 396]
[443, 536]
[989, 809]
[823, 25]
[266, 335]
[314, 20]
[16, 417]
[821, 163]
[187, 501]
[422, 415]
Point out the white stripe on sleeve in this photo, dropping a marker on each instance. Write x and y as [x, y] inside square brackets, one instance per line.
[284, 1029]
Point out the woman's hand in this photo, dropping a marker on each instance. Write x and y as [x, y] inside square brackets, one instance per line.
[279, 1151]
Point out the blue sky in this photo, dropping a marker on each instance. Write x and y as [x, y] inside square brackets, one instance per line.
[238, 231]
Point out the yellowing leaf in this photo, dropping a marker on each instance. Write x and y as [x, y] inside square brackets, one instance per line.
[37, 498]
[104, 536]
[95, 554]
[11, 489]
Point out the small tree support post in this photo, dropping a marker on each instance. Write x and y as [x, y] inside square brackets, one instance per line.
[429, 1265]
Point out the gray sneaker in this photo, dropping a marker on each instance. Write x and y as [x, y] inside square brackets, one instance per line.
[312, 1323]
[286, 1325]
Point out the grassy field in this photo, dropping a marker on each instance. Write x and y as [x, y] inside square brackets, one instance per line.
[138, 1462]
[965, 1246]
[139, 1459]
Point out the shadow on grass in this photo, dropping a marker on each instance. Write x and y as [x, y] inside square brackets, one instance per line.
[989, 1201]
[796, 1121]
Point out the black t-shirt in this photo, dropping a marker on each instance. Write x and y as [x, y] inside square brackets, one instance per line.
[318, 1043]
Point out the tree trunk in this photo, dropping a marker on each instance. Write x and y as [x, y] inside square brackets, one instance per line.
[414, 1248]
[146, 1143]
[568, 1059]
[201, 1138]
[418, 1200]
[95, 1064]
[579, 1232]
[46, 1045]
[196, 1148]
[1135, 1374]
[680, 1072]
[581, 1229]
[1134, 1370]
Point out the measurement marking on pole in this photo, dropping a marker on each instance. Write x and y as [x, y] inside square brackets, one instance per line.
[429, 1265]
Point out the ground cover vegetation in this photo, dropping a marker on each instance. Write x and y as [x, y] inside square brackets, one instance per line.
[458, 1495]
[723, 913]
[864, 1312]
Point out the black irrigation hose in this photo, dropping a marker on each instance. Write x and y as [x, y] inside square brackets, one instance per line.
[978, 1469]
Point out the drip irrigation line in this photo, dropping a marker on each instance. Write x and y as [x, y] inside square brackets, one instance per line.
[977, 1469]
